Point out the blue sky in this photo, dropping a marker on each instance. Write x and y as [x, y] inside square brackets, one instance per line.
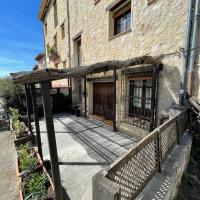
[21, 37]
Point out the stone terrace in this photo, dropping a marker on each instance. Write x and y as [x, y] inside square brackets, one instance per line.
[84, 148]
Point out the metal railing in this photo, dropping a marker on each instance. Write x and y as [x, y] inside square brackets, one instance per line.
[135, 169]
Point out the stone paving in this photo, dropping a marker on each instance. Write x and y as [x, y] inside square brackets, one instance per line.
[84, 148]
[9, 182]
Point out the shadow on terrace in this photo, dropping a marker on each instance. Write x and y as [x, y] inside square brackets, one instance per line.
[84, 148]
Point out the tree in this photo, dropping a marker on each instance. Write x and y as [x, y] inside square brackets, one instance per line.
[9, 94]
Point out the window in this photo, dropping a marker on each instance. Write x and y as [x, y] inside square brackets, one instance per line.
[77, 51]
[140, 97]
[63, 30]
[45, 28]
[55, 14]
[55, 42]
[122, 20]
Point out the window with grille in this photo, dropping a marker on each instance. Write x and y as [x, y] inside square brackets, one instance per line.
[140, 97]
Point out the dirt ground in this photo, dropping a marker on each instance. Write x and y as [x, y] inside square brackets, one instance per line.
[190, 185]
[9, 182]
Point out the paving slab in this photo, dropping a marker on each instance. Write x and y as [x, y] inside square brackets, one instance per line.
[84, 148]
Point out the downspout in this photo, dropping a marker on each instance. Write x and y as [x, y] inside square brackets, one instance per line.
[69, 34]
[69, 48]
[186, 54]
[194, 45]
[44, 41]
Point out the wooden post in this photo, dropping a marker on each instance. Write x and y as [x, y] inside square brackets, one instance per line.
[51, 140]
[114, 99]
[85, 95]
[28, 103]
[37, 125]
[158, 152]
[153, 99]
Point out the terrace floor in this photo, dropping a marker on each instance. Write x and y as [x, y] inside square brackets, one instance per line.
[84, 148]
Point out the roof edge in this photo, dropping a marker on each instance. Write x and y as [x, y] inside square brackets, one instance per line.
[42, 9]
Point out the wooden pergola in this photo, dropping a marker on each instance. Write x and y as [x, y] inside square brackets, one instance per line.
[44, 78]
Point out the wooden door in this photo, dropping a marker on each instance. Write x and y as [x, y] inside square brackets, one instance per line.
[103, 99]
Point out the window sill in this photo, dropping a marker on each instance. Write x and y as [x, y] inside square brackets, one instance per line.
[118, 35]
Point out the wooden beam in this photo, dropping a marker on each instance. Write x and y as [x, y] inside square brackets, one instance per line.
[51, 139]
[28, 103]
[114, 99]
[37, 125]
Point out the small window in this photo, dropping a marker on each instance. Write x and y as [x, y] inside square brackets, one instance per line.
[78, 51]
[45, 28]
[122, 20]
[63, 31]
[55, 14]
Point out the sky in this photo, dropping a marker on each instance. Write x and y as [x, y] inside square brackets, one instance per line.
[21, 37]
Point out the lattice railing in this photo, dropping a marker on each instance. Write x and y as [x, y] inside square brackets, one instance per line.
[134, 170]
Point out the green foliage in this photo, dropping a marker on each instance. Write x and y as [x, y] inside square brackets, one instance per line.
[20, 128]
[15, 114]
[28, 161]
[51, 51]
[35, 188]
[8, 93]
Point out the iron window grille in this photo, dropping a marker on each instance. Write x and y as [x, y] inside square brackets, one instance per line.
[139, 97]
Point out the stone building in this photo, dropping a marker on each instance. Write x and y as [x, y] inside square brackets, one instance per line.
[79, 33]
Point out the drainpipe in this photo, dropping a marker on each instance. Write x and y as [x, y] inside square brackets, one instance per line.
[44, 43]
[194, 45]
[69, 34]
[186, 54]
[69, 47]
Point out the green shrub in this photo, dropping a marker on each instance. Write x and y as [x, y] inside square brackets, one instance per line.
[28, 161]
[20, 128]
[35, 187]
[15, 114]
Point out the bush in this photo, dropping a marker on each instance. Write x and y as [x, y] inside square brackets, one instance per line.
[9, 94]
[28, 161]
[35, 186]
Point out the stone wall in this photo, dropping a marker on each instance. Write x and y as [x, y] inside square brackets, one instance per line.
[158, 28]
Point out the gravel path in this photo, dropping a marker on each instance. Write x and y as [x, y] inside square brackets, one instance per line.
[9, 183]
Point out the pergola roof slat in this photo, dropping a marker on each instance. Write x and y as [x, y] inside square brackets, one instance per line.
[56, 74]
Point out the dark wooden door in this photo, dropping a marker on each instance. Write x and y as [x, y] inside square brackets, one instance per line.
[103, 99]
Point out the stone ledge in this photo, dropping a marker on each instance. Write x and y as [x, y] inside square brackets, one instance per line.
[164, 186]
